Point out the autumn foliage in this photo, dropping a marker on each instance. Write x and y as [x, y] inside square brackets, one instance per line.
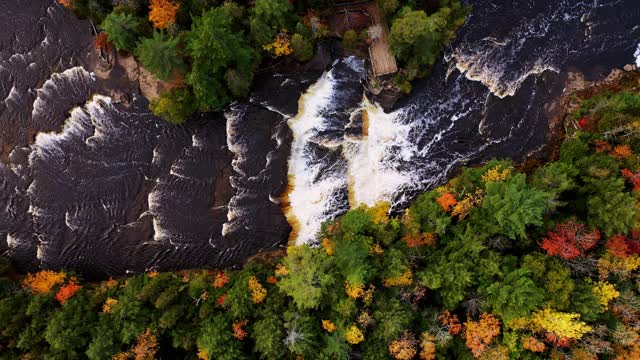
[66, 3]
[420, 239]
[258, 292]
[238, 329]
[532, 344]
[405, 347]
[162, 13]
[220, 279]
[570, 240]
[447, 201]
[281, 45]
[618, 246]
[42, 282]
[450, 322]
[102, 42]
[479, 334]
[632, 177]
[66, 292]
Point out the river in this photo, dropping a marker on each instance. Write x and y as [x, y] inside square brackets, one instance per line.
[90, 184]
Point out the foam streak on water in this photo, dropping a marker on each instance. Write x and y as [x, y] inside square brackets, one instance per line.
[313, 198]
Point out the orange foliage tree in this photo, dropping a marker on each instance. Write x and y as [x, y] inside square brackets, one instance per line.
[450, 322]
[145, 349]
[238, 329]
[532, 344]
[479, 334]
[66, 3]
[621, 151]
[447, 201]
[162, 13]
[220, 279]
[420, 239]
[42, 282]
[405, 347]
[428, 346]
[66, 292]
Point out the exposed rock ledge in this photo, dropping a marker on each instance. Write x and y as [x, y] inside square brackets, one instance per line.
[122, 77]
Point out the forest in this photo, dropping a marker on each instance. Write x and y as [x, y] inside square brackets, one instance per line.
[498, 263]
[214, 48]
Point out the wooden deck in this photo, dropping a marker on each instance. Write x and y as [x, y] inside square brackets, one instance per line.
[382, 60]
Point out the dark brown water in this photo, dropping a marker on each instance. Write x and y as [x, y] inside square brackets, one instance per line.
[95, 186]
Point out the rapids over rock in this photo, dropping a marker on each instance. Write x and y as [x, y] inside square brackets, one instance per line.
[92, 184]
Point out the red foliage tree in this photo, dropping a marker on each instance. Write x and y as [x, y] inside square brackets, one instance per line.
[66, 292]
[570, 240]
[632, 178]
[102, 42]
[618, 246]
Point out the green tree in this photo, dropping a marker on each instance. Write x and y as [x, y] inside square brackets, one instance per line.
[216, 339]
[388, 7]
[268, 335]
[309, 276]
[514, 296]
[68, 330]
[123, 30]
[302, 334]
[509, 207]
[417, 38]
[160, 55]
[268, 17]
[555, 178]
[215, 45]
[302, 47]
[350, 39]
[175, 105]
[585, 302]
[611, 209]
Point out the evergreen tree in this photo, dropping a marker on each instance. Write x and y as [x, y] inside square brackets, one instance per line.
[515, 296]
[123, 30]
[159, 54]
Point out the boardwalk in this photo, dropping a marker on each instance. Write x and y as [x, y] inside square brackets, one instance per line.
[382, 60]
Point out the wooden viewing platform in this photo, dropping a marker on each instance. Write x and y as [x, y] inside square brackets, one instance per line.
[382, 60]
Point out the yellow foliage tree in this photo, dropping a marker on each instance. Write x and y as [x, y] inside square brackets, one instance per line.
[605, 293]
[258, 292]
[354, 335]
[380, 211]
[108, 305]
[622, 267]
[162, 13]
[428, 346]
[328, 246]
[403, 280]
[464, 206]
[496, 174]
[562, 324]
[43, 281]
[329, 326]
[354, 291]
[281, 46]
